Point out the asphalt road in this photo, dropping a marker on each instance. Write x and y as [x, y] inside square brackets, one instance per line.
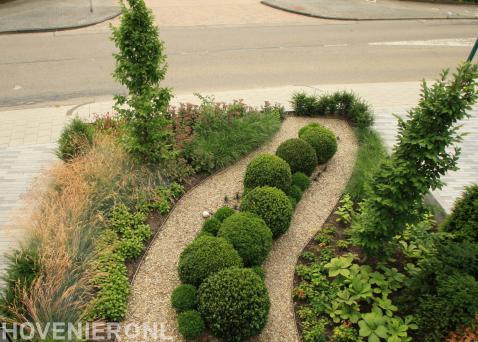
[72, 66]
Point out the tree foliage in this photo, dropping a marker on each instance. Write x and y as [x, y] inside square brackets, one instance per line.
[140, 66]
[425, 151]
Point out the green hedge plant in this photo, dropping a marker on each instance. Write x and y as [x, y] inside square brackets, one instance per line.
[234, 304]
[322, 140]
[223, 213]
[342, 103]
[296, 193]
[272, 205]
[299, 154]
[184, 297]
[204, 256]
[268, 170]
[463, 221]
[301, 180]
[211, 226]
[249, 235]
[190, 324]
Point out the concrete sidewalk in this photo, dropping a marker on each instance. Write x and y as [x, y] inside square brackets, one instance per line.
[375, 9]
[28, 140]
[47, 15]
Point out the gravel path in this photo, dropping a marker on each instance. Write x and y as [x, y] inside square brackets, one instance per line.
[157, 277]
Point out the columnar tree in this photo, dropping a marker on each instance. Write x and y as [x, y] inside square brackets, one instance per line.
[140, 66]
[425, 151]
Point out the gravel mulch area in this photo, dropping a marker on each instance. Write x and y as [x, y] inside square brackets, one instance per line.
[158, 277]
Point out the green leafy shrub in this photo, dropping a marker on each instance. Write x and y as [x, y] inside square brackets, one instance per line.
[452, 307]
[314, 329]
[211, 226]
[223, 213]
[234, 303]
[463, 221]
[268, 170]
[140, 66]
[309, 126]
[249, 235]
[184, 297]
[259, 271]
[322, 140]
[301, 180]
[303, 104]
[293, 202]
[205, 256]
[341, 103]
[272, 205]
[344, 333]
[190, 324]
[295, 192]
[75, 140]
[424, 152]
[131, 229]
[299, 154]
[111, 279]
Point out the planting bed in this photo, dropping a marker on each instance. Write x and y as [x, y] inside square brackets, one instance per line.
[158, 277]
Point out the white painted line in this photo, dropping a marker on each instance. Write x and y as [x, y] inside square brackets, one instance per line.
[453, 42]
[335, 45]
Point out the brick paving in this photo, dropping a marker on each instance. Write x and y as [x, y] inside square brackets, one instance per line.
[28, 140]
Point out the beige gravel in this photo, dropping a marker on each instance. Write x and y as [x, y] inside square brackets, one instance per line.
[157, 277]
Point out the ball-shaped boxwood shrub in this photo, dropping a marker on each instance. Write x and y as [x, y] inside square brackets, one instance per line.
[270, 204]
[300, 156]
[293, 202]
[267, 170]
[234, 304]
[223, 213]
[249, 235]
[204, 256]
[259, 271]
[301, 180]
[311, 125]
[322, 140]
[295, 192]
[211, 226]
[190, 324]
[184, 297]
[463, 221]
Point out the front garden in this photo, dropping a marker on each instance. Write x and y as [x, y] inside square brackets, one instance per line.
[222, 220]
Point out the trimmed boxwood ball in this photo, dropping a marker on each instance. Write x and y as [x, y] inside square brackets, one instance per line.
[259, 271]
[293, 202]
[211, 226]
[249, 235]
[204, 256]
[301, 180]
[322, 140]
[311, 125]
[267, 170]
[298, 153]
[272, 205]
[184, 297]
[295, 192]
[223, 213]
[234, 304]
[190, 324]
[463, 220]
